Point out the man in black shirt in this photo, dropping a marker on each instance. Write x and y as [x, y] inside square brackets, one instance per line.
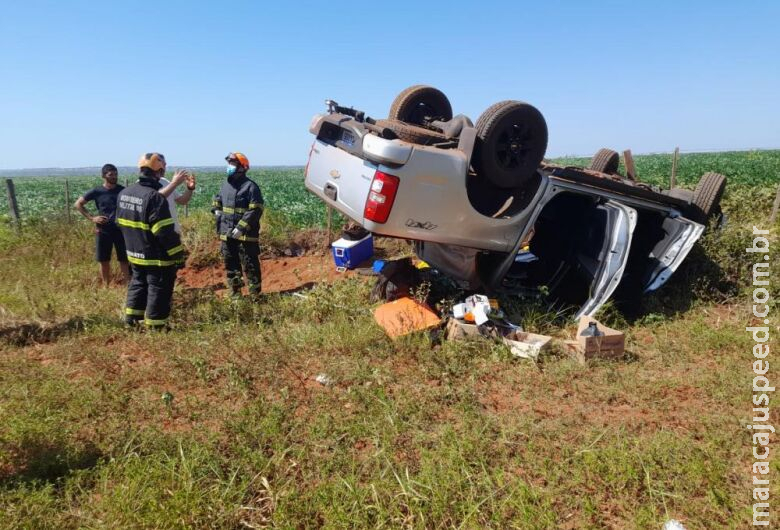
[107, 233]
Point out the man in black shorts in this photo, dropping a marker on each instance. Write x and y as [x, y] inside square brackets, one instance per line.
[107, 233]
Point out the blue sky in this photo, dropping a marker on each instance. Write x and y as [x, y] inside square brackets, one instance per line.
[90, 82]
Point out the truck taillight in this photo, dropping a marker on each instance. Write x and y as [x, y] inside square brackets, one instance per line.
[381, 197]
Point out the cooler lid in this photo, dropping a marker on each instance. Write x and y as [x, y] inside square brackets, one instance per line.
[346, 243]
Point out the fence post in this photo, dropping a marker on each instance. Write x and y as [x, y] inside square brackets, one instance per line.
[673, 179]
[330, 220]
[67, 200]
[12, 204]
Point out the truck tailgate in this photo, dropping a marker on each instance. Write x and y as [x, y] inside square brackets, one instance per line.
[339, 178]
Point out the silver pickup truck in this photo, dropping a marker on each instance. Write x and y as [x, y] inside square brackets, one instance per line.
[483, 207]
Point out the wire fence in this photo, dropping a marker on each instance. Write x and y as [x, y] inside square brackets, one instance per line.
[30, 198]
[46, 197]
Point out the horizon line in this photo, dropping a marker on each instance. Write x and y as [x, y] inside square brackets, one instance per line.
[270, 166]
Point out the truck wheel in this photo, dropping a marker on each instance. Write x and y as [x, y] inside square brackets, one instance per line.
[605, 161]
[412, 133]
[420, 104]
[706, 197]
[511, 142]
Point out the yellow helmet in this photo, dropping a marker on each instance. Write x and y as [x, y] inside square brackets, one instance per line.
[154, 161]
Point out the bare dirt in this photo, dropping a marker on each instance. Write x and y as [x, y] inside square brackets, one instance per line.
[278, 274]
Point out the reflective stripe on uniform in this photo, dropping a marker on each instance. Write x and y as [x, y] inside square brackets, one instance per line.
[243, 223]
[159, 225]
[152, 262]
[240, 238]
[134, 312]
[152, 322]
[228, 209]
[175, 250]
[255, 206]
[132, 224]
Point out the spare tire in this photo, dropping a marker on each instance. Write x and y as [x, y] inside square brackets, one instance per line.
[420, 104]
[412, 133]
[605, 161]
[511, 142]
[706, 197]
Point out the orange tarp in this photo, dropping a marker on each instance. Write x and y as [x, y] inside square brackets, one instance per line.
[404, 316]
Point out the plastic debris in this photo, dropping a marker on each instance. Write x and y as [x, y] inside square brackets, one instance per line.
[478, 309]
[324, 379]
[592, 330]
[378, 265]
[167, 398]
[673, 524]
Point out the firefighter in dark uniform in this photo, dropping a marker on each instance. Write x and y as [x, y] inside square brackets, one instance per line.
[154, 248]
[238, 207]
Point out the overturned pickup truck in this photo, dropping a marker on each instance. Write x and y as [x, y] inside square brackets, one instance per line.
[483, 207]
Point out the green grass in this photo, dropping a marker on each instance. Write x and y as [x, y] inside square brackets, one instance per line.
[413, 433]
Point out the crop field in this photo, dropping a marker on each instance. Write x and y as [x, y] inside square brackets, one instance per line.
[299, 412]
[283, 188]
[286, 196]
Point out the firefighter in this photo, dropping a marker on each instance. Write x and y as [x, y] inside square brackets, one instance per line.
[238, 207]
[154, 248]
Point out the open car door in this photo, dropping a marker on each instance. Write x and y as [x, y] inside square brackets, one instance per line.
[666, 256]
[606, 267]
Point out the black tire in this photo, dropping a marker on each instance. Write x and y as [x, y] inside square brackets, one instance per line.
[412, 133]
[511, 142]
[420, 103]
[605, 161]
[706, 197]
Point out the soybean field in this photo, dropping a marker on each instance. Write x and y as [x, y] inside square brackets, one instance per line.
[285, 195]
[283, 192]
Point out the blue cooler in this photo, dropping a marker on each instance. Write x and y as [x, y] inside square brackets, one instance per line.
[349, 254]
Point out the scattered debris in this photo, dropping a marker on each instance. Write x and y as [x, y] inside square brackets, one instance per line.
[673, 524]
[405, 315]
[378, 265]
[167, 398]
[396, 280]
[595, 340]
[459, 330]
[526, 345]
[478, 309]
[480, 316]
[324, 379]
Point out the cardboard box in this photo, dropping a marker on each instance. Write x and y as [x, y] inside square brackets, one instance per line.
[349, 254]
[526, 345]
[610, 345]
[459, 330]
